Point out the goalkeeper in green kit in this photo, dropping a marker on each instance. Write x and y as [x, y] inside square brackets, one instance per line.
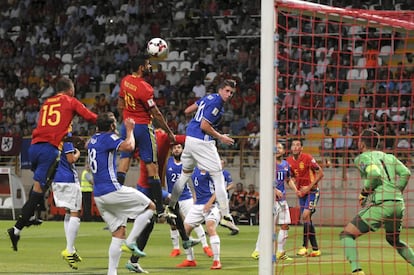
[384, 179]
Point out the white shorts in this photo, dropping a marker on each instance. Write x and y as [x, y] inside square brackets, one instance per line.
[202, 154]
[281, 212]
[119, 206]
[185, 206]
[197, 216]
[67, 195]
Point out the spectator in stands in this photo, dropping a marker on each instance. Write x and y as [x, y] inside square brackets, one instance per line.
[253, 142]
[199, 89]
[371, 55]
[237, 124]
[343, 143]
[326, 147]
[238, 202]
[46, 91]
[329, 104]
[353, 118]
[21, 92]
[252, 204]
[386, 128]
[173, 76]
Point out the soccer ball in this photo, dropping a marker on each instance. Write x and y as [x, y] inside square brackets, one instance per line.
[157, 47]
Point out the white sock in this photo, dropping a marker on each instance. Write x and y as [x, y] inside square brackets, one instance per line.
[257, 242]
[215, 246]
[66, 223]
[281, 240]
[175, 238]
[178, 188]
[199, 230]
[221, 193]
[71, 233]
[139, 224]
[16, 231]
[190, 253]
[114, 255]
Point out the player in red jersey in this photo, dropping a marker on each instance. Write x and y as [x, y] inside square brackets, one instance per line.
[136, 101]
[307, 174]
[55, 118]
[163, 152]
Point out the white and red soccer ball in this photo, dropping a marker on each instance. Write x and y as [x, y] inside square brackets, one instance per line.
[157, 47]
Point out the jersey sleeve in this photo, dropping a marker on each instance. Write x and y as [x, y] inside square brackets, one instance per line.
[212, 112]
[68, 147]
[84, 112]
[403, 174]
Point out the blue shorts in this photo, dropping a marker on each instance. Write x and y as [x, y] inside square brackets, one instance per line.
[43, 157]
[147, 192]
[145, 142]
[309, 201]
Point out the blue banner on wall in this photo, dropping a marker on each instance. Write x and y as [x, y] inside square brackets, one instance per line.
[24, 154]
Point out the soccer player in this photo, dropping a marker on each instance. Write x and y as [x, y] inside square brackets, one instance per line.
[205, 210]
[67, 194]
[307, 174]
[163, 151]
[173, 172]
[281, 207]
[116, 202]
[136, 100]
[383, 189]
[200, 148]
[55, 118]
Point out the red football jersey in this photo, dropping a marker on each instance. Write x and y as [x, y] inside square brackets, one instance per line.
[139, 98]
[163, 151]
[303, 169]
[55, 118]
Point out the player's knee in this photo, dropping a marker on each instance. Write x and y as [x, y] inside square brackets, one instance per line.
[151, 206]
[393, 239]
[345, 234]
[284, 226]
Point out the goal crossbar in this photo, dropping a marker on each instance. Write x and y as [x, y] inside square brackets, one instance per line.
[376, 19]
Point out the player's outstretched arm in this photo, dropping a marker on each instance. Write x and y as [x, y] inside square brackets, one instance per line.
[157, 115]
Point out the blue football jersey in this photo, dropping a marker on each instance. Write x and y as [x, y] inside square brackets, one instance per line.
[203, 186]
[172, 174]
[209, 108]
[282, 175]
[227, 177]
[66, 172]
[102, 160]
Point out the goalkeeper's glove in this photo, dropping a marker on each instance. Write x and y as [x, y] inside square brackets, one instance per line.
[363, 196]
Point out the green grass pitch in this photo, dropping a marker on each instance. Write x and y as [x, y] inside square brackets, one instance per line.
[40, 247]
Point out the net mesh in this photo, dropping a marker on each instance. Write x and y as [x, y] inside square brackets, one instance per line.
[340, 71]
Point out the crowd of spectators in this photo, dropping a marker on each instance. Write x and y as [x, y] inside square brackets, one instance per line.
[219, 37]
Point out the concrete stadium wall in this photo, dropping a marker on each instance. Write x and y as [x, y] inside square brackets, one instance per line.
[338, 198]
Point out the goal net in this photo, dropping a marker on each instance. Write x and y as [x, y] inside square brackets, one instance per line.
[339, 71]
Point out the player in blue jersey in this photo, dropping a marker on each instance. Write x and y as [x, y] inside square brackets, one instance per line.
[281, 207]
[116, 202]
[67, 194]
[185, 201]
[200, 147]
[205, 210]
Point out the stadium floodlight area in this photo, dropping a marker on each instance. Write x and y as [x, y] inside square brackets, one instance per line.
[345, 70]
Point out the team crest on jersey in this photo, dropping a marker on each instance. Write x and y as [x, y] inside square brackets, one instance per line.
[150, 102]
[6, 144]
[301, 165]
[215, 111]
